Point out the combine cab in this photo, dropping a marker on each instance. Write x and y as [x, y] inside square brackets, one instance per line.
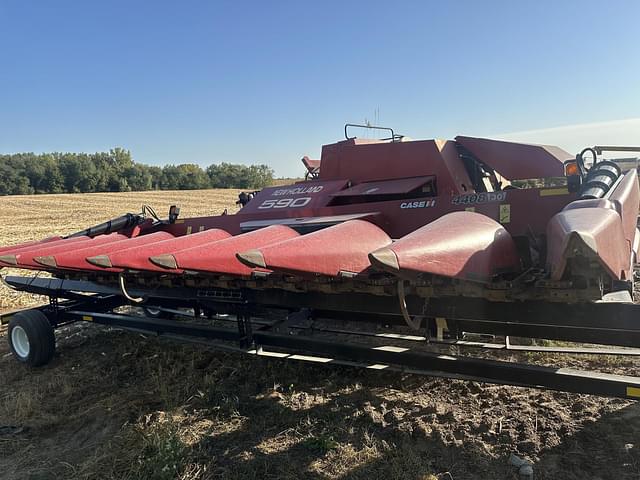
[424, 243]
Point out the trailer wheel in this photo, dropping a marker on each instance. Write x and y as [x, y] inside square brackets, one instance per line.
[31, 338]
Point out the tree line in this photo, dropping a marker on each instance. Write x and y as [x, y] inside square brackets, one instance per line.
[115, 171]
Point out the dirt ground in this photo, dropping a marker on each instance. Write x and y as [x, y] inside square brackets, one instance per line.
[116, 404]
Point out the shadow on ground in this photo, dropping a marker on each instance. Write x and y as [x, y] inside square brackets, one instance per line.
[121, 405]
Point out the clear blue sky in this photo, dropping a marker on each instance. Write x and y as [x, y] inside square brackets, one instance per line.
[267, 82]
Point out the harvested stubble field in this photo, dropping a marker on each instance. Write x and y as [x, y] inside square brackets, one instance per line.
[121, 405]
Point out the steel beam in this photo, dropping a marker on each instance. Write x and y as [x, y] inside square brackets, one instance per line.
[491, 371]
[607, 323]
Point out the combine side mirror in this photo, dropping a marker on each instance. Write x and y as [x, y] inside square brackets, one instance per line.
[174, 212]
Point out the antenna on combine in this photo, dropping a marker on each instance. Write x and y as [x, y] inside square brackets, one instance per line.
[376, 120]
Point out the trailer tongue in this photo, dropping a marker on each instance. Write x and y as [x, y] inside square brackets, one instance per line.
[445, 238]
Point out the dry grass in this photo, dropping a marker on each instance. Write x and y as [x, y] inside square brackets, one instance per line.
[33, 217]
[122, 405]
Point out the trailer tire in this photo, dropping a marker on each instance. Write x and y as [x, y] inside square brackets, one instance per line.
[31, 338]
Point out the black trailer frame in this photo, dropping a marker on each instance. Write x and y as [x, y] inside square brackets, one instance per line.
[257, 316]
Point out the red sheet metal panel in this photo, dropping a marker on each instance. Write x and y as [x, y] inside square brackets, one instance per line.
[334, 251]
[9, 257]
[364, 162]
[594, 233]
[29, 244]
[386, 187]
[301, 196]
[593, 203]
[308, 223]
[220, 257]
[137, 257]
[626, 196]
[517, 161]
[27, 258]
[463, 245]
[76, 259]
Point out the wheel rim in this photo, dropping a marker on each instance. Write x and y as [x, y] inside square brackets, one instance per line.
[20, 341]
